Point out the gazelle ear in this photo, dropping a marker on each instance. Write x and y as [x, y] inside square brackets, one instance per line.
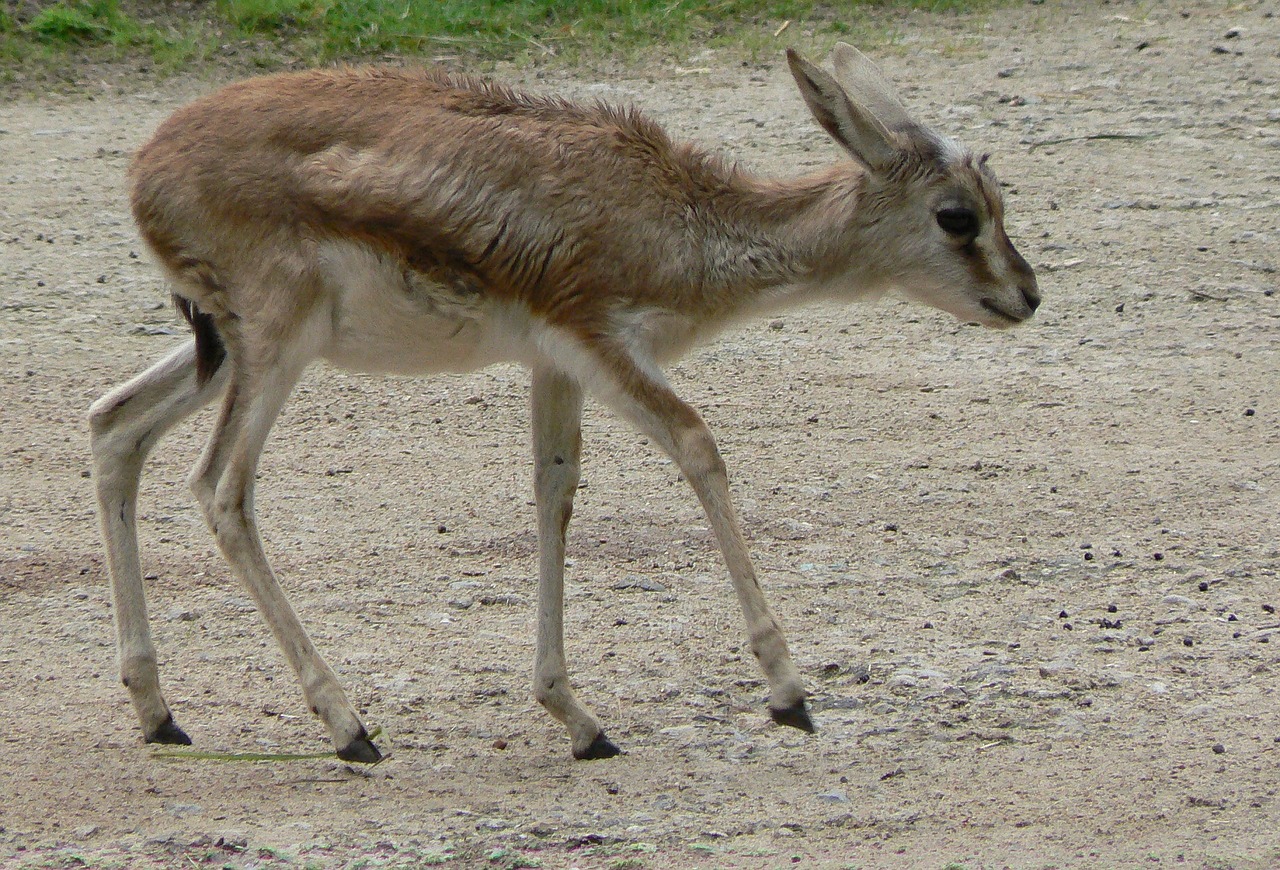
[852, 125]
[867, 86]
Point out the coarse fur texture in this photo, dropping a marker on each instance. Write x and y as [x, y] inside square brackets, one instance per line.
[414, 221]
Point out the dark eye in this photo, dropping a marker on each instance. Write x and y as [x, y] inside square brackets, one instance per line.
[961, 222]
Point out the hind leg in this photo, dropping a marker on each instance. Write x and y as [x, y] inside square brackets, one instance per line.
[223, 483]
[124, 425]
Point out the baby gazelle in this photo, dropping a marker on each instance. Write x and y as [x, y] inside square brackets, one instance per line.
[412, 221]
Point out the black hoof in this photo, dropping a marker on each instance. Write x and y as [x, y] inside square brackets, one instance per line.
[601, 747]
[796, 716]
[361, 750]
[169, 733]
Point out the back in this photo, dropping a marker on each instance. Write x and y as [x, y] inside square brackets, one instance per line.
[446, 172]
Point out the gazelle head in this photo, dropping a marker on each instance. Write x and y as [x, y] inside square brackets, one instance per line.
[929, 220]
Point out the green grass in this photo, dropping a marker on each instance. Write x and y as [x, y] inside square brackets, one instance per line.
[274, 33]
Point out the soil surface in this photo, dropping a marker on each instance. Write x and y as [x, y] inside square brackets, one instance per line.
[1029, 576]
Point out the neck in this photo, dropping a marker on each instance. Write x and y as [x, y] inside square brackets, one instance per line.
[769, 243]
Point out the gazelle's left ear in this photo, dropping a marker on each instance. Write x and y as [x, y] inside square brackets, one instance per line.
[852, 125]
[866, 85]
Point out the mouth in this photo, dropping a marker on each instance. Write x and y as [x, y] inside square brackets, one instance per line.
[1003, 318]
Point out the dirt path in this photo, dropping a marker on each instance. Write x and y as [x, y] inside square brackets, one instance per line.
[1053, 551]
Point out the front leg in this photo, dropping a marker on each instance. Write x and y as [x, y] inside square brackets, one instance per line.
[557, 442]
[639, 392]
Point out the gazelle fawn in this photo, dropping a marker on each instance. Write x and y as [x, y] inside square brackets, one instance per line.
[412, 221]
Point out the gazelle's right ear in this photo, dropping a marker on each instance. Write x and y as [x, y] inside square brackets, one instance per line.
[852, 125]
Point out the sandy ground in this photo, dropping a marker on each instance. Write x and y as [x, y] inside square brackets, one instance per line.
[1029, 576]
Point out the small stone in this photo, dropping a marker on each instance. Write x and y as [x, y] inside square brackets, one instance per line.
[1204, 586]
[1111, 608]
[643, 584]
[1218, 749]
[499, 744]
[1269, 608]
[1186, 641]
[1249, 412]
[1233, 33]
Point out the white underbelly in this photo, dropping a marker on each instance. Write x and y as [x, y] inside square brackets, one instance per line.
[387, 319]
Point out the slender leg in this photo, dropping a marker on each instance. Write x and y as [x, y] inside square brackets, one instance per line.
[223, 482]
[557, 439]
[124, 425]
[637, 391]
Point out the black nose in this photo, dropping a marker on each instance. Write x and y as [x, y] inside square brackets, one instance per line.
[1031, 296]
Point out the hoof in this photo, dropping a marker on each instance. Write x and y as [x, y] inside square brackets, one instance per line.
[601, 747]
[360, 750]
[169, 733]
[796, 716]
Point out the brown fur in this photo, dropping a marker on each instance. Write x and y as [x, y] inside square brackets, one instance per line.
[412, 220]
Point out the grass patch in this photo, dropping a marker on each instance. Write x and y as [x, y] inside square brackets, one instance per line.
[278, 33]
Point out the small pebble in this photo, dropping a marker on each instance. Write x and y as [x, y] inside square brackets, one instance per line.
[1249, 412]
[1204, 585]
[1269, 608]
[1111, 608]
[1218, 749]
[1186, 641]
[1158, 556]
[1062, 614]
